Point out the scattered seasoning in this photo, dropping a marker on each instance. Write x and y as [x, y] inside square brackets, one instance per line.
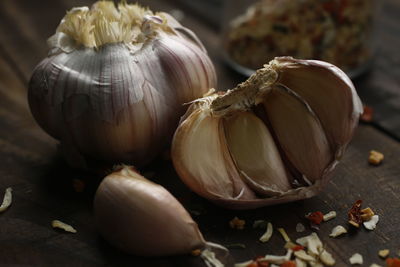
[301, 254]
[337, 231]
[356, 259]
[329, 216]
[315, 217]
[284, 234]
[246, 264]
[393, 262]
[279, 259]
[210, 259]
[195, 252]
[268, 233]
[300, 228]
[326, 258]
[297, 248]
[375, 157]
[7, 200]
[300, 263]
[355, 214]
[383, 253]
[236, 223]
[371, 224]
[290, 245]
[78, 185]
[288, 264]
[63, 226]
[366, 214]
[367, 114]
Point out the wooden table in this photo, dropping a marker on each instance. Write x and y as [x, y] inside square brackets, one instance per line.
[42, 183]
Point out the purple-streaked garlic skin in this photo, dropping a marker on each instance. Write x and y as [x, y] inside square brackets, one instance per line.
[298, 104]
[119, 102]
[143, 218]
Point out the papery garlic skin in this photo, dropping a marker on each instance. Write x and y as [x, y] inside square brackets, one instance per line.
[113, 85]
[284, 130]
[143, 218]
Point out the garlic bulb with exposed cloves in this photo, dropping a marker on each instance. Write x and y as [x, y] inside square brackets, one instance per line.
[113, 84]
[274, 138]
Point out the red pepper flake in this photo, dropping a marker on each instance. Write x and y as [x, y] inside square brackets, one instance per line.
[259, 262]
[354, 213]
[316, 217]
[367, 114]
[262, 264]
[297, 248]
[288, 264]
[393, 262]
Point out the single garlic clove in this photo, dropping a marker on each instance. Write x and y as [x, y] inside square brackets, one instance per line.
[255, 154]
[143, 218]
[329, 93]
[299, 133]
[201, 157]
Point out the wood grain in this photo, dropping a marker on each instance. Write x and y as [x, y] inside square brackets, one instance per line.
[31, 164]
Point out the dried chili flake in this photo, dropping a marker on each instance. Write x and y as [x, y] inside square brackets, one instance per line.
[297, 248]
[289, 264]
[354, 214]
[393, 262]
[237, 223]
[262, 264]
[253, 264]
[367, 114]
[195, 252]
[316, 217]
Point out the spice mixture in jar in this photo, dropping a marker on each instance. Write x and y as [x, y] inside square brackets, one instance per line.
[336, 31]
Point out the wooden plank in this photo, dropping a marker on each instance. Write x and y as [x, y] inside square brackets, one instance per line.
[43, 189]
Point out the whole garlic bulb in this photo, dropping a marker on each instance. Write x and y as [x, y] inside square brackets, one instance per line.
[143, 218]
[113, 84]
[274, 138]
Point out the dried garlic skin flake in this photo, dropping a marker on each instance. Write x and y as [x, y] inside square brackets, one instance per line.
[329, 216]
[356, 259]
[284, 234]
[63, 226]
[375, 157]
[300, 228]
[375, 265]
[268, 233]
[371, 224]
[327, 258]
[337, 231]
[7, 200]
[384, 253]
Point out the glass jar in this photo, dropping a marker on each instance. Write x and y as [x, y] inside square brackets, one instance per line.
[336, 31]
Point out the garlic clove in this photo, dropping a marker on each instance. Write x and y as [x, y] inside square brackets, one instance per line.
[329, 93]
[255, 154]
[201, 157]
[299, 133]
[143, 218]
